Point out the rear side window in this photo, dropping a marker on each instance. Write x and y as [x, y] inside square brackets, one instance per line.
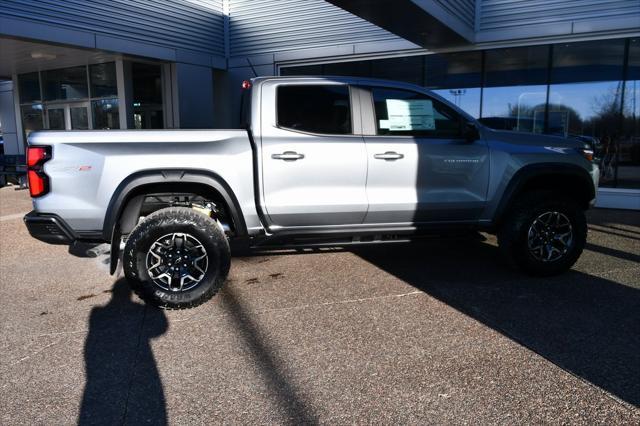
[407, 113]
[315, 108]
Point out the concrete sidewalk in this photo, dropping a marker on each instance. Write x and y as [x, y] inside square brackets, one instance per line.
[439, 332]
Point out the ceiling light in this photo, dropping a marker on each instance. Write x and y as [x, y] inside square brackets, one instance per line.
[42, 55]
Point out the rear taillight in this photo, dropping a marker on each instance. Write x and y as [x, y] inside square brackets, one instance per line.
[38, 180]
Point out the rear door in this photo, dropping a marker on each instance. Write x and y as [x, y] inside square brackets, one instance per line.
[421, 167]
[314, 164]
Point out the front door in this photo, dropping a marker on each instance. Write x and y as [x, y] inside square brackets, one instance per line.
[314, 167]
[68, 116]
[421, 167]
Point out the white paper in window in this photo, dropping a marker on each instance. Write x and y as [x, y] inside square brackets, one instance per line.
[410, 114]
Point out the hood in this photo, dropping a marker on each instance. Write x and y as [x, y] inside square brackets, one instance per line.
[532, 139]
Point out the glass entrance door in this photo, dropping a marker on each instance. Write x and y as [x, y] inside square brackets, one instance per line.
[71, 116]
[79, 116]
[56, 118]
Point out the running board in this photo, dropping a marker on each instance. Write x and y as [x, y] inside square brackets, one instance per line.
[300, 243]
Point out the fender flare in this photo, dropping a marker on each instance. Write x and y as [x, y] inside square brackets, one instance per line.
[122, 193]
[532, 171]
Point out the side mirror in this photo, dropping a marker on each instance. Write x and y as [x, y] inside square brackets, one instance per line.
[470, 132]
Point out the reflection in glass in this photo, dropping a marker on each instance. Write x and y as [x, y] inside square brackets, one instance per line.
[515, 92]
[353, 68]
[31, 118]
[452, 70]
[105, 114]
[589, 112]
[103, 80]
[147, 96]
[628, 171]
[408, 69]
[66, 83]
[55, 116]
[456, 77]
[466, 98]
[519, 108]
[599, 60]
[302, 70]
[79, 118]
[29, 87]
[516, 66]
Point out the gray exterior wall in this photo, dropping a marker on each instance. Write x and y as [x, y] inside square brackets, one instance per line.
[267, 26]
[175, 30]
[517, 19]
[465, 10]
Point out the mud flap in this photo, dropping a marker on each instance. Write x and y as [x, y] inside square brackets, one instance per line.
[115, 250]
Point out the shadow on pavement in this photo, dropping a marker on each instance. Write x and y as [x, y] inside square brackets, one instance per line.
[117, 352]
[587, 325]
[273, 369]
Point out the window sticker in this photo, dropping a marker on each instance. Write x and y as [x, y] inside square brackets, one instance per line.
[410, 114]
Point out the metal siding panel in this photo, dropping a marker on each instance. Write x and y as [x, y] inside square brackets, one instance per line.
[262, 26]
[181, 24]
[465, 10]
[503, 14]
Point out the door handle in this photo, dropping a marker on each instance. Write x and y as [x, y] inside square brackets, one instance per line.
[288, 156]
[389, 156]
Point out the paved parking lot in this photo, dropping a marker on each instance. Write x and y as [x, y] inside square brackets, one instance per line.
[439, 332]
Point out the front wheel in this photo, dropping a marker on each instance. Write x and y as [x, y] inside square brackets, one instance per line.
[177, 258]
[544, 234]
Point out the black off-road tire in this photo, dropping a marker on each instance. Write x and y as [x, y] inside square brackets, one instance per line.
[512, 235]
[168, 221]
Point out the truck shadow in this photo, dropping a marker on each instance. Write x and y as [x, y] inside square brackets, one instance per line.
[587, 325]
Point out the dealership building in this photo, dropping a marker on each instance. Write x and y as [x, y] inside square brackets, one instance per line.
[562, 67]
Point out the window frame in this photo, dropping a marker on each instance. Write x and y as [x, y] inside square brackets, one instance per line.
[352, 108]
[369, 118]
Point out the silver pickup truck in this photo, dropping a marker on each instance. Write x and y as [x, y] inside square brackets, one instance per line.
[318, 161]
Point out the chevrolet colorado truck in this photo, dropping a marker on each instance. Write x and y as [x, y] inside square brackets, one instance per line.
[318, 161]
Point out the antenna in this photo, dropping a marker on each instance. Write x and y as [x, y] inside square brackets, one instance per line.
[255, 74]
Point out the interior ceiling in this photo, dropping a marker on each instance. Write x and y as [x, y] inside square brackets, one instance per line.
[18, 56]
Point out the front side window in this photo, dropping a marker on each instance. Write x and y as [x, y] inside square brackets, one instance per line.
[407, 113]
[314, 108]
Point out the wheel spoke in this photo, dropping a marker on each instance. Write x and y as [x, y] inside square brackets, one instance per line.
[173, 259]
[549, 237]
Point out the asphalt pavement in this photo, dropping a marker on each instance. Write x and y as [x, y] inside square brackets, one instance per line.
[437, 332]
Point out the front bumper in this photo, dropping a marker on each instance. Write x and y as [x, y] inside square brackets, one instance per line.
[49, 228]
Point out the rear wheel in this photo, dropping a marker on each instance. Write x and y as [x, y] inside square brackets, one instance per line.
[177, 258]
[544, 234]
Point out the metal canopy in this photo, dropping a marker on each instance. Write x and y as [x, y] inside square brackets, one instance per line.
[411, 21]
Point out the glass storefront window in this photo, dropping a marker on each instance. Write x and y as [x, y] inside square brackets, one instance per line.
[408, 69]
[515, 92]
[600, 60]
[103, 80]
[147, 96]
[456, 77]
[79, 118]
[65, 83]
[55, 118]
[105, 114]
[585, 98]
[353, 68]
[29, 87]
[628, 170]
[31, 118]
[302, 70]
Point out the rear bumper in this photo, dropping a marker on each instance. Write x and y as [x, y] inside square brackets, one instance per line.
[49, 228]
